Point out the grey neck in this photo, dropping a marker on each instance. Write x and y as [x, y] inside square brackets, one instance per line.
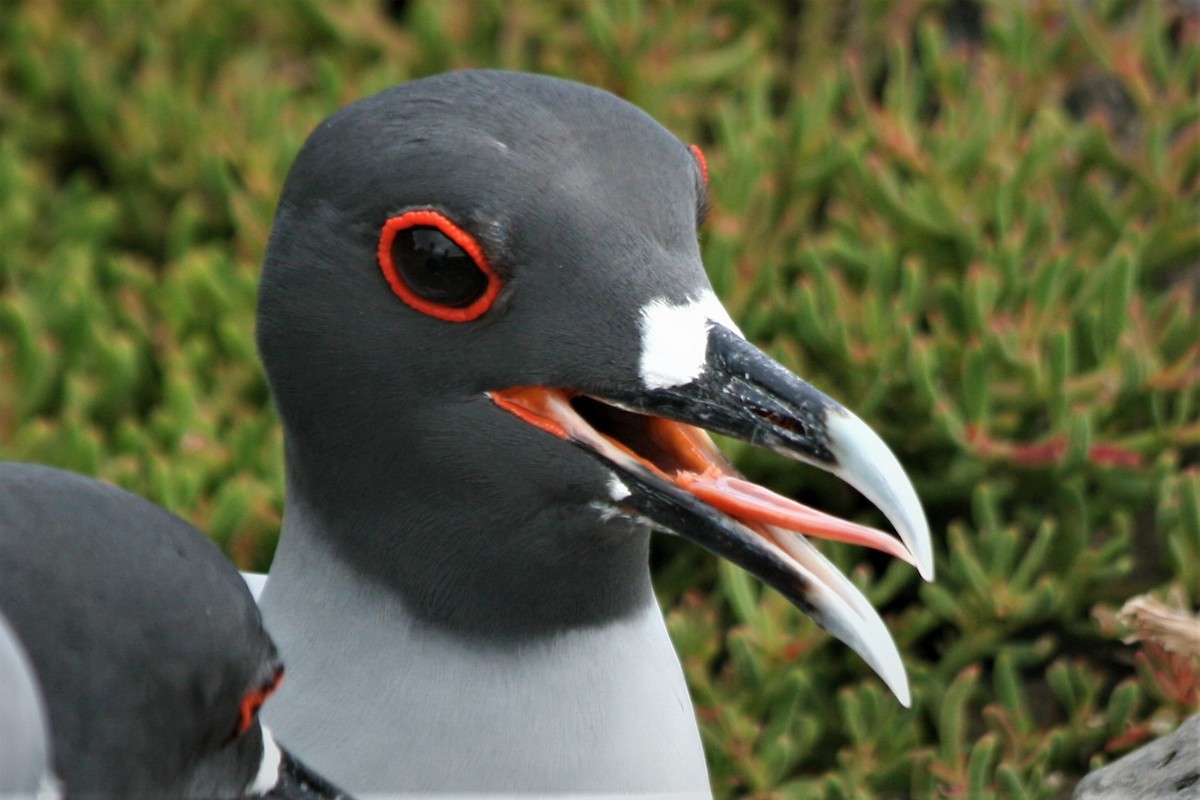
[380, 700]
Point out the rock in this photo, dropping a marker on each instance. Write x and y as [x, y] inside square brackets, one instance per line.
[1166, 769]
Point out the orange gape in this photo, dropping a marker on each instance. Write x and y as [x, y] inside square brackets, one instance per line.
[531, 404]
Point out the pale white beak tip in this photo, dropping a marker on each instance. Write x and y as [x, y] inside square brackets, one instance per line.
[869, 465]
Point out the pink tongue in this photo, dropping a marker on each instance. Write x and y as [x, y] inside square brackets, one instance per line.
[750, 502]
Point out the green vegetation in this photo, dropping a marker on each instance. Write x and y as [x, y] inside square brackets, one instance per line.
[977, 226]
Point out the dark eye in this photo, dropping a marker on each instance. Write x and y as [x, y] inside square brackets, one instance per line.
[436, 267]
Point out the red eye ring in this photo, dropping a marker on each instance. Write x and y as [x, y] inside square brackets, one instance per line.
[701, 161]
[429, 218]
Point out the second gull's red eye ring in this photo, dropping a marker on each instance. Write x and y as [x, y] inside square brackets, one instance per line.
[701, 161]
[253, 701]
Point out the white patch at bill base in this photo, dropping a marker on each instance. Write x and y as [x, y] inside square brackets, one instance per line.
[675, 339]
[268, 768]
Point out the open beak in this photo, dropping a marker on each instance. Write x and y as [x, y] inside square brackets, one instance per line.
[669, 472]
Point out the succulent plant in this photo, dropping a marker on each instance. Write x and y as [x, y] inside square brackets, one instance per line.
[975, 223]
